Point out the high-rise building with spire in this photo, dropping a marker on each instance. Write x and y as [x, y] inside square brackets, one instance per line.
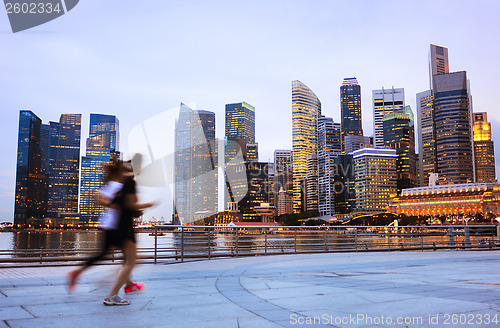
[306, 109]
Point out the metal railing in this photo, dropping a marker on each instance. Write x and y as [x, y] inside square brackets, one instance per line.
[180, 243]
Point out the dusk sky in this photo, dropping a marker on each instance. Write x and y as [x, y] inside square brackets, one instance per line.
[136, 59]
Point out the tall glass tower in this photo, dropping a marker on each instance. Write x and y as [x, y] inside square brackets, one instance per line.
[195, 165]
[102, 147]
[306, 109]
[282, 173]
[350, 108]
[426, 137]
[399, 134]
[64, 166]
[329, 147]
[31, 171]
[452, 117]
[239, 128]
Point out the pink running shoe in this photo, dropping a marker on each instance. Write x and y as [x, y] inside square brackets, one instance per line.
[135, 287]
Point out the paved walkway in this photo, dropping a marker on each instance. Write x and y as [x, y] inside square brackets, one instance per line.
[406, 289]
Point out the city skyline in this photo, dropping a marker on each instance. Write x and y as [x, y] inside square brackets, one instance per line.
[87, 70]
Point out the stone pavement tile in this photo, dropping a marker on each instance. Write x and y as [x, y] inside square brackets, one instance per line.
[50, 298]
[3, 325]
[13, 312]
[43, 290]
[255, 322]
[132, 319]
[84, 308]
[159, 303]
[380, 297]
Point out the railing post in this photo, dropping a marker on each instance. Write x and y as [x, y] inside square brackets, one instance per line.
[208, 235]
[422, 237]
[265, 241]
[41, 255]
[182, 244]
[326, 241]
[156, 243]
[237, 236]
[467, 236]
[295, 239]
[356, 238]
[451, 240]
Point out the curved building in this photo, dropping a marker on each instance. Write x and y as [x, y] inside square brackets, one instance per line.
[306, 108]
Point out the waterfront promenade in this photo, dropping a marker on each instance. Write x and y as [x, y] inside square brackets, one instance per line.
[396, 289]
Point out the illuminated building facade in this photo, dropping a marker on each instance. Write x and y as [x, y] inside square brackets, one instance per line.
[311, 184]
[282, 173]
[239, 132]
[426, 137]
[31, 171]
[452, 117]
[375, 178]
[285, 202]
[196, 186]
[306, 109]
[399, 134]
[258, 190]
[350, 109]
[385, 101]
[484, 151]
[329, 147]
[102, 148]
[239, 128]
[252, 152]
[456, 199]
[64, 167]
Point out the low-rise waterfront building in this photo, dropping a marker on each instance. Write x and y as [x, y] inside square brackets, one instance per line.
[457, 199]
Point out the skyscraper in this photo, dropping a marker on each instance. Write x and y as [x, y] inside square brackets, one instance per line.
[484, 151]
[64, 167]
[311, 184]
[239, 132]
[282, 173]
[240, 128]
[385, 101]
[31, 171]
[399, 134]
[329, 147]
[438, 61]
[195, 165]
[102, 147]
[306, 108]
[350, 109]
[438, 65]
[258, 190]
[375, 178]
[452, 117]
[426, 137]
